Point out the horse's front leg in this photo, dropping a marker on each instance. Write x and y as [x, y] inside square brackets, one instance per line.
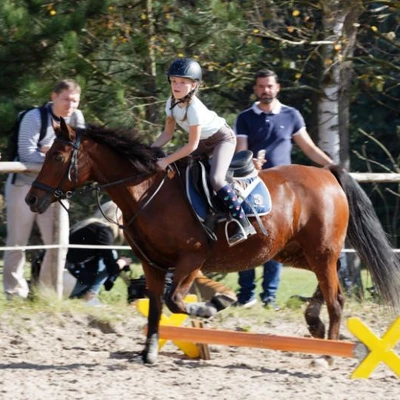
[155, 280]
[181, 284]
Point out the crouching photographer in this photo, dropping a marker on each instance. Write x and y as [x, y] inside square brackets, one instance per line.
[93, 268]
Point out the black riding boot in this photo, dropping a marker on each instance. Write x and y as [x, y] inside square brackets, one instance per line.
[244, 228]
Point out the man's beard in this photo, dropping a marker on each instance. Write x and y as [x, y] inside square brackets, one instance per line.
[266, 100]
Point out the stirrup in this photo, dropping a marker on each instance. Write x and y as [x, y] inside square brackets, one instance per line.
[241, 234]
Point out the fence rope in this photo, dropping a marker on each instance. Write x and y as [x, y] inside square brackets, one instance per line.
[84, 246]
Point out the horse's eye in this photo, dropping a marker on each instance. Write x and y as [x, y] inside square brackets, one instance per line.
[59, 157]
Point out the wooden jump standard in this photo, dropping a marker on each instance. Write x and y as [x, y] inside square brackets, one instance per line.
[264, 341]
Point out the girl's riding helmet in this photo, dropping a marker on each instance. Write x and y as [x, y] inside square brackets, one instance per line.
[185, 68]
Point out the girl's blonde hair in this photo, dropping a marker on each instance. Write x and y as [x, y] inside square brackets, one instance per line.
[113, 215]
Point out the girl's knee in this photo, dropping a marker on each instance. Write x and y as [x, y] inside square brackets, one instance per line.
[217, 183]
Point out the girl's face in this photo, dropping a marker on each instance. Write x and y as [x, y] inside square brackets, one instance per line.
[181, 86]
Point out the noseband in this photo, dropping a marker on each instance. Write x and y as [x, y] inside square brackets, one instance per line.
[58, 193]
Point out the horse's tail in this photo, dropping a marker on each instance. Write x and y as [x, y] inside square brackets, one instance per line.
[366, 235]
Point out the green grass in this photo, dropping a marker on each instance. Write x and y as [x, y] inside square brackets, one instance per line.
[293, 282]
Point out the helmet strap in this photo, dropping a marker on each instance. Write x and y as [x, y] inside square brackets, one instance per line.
[183, 99]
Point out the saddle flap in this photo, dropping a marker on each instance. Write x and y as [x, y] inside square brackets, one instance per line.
[252, 191]
[198, 186]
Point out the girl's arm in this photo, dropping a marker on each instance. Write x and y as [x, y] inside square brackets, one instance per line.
[184, 151]
[166, 135]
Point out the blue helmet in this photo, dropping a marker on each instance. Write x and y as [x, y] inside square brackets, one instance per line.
[185, 68]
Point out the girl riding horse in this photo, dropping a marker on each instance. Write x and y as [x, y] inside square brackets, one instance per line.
[208, 134]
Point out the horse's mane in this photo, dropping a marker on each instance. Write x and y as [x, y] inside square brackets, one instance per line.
[127, 142]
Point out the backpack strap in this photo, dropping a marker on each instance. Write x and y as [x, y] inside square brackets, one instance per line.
[43, 119]
[43, 127]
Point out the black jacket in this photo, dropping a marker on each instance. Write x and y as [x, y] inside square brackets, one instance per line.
[83, 263]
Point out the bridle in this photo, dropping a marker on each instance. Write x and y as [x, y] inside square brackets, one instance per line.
[72, 170]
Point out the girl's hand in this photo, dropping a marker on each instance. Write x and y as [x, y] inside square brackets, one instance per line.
[162, 163]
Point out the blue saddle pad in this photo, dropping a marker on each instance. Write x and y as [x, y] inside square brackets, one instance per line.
[255, 195]
[251, 191]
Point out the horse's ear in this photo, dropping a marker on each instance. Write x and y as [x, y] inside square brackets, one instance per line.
[65, 129]
[63, 125]
[56, 127]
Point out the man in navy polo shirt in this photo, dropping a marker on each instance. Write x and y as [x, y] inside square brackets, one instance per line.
[271, 126]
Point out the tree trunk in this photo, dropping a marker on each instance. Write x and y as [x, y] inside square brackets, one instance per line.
[339, 25]
[328, 105]
[346, 76]
[152, 112]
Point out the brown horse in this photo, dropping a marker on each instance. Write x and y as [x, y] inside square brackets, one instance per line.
[313, 210]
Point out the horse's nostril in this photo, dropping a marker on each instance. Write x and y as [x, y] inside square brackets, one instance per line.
[31, 200]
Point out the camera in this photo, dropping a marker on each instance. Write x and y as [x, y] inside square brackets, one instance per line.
[137, 289]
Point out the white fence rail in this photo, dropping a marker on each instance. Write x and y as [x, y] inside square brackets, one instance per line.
[362, 177]
[13, 166]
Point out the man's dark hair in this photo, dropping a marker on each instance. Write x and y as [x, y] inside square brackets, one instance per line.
[66, 84]
[265, 73]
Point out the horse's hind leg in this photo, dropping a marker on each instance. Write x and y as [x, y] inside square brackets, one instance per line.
[312, 314]
[334, 300]
[329, 291]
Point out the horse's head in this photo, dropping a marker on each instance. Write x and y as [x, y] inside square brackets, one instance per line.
[59, 174]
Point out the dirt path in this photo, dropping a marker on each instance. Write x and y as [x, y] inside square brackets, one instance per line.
[71, 357]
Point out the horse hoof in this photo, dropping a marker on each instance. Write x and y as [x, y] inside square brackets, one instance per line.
[222, 301]
[203, 310]
[150, 352]
[150, 358]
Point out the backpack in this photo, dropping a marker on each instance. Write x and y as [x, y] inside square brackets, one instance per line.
[12, 144]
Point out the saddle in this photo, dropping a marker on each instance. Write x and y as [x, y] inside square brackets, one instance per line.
[250, 189]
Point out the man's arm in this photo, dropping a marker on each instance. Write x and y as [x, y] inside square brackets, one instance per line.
[309, 148]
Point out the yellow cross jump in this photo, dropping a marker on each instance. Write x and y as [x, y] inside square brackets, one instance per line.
[381, 349]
